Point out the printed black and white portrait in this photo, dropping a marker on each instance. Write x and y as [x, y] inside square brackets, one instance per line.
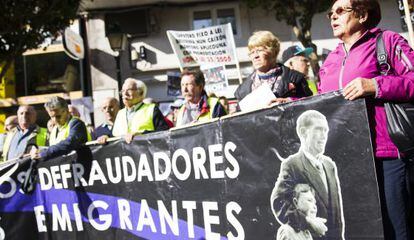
[308, 176]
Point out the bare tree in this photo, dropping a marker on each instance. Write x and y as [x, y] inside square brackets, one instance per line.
[298, 14]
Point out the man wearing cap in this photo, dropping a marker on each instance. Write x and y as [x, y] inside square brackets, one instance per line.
[198, 107]
[297, 58]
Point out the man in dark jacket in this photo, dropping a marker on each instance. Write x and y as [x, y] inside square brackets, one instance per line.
[68, 134]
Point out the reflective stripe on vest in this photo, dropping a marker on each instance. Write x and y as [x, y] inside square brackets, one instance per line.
[64, 133]
[142, 121]
[201, 118]
[40, 135]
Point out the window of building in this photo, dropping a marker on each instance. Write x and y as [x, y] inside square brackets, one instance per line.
[227, 16]
[47, 73]
[202, 17]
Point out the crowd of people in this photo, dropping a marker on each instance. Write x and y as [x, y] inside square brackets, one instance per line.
[351, 67]
[66, 131]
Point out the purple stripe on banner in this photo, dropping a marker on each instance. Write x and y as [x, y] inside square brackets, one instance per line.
[25, 203]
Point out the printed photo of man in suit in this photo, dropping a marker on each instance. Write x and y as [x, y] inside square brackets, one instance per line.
[310, 166]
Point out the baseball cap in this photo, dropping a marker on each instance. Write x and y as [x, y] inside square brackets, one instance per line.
[295, 51]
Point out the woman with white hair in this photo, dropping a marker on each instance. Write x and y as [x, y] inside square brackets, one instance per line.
[263, 50]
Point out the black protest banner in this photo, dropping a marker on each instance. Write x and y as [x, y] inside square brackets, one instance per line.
[251, 176]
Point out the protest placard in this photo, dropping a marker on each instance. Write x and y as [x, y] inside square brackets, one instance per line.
[204, 46]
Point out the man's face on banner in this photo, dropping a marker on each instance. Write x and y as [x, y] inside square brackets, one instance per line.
[306, 203]
[316, 136]
[190, 90]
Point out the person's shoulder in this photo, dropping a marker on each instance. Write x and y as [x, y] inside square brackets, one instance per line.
[285, 232]
[292, 160]
[12, 131]
[214, 100]
[39, 129]
[244, 88]
[121, 110]
[100, 127]
[388, 33]
[291, 71]
[391, 38]
[149, 104]
[292, 75]
[76, 122]
[326, 159]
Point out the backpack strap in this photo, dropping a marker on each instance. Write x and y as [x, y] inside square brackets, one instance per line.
[382, 56]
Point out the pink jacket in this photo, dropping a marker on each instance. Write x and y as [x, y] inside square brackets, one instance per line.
[340, 68]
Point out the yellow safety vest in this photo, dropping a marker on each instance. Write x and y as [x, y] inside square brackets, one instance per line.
[312, 86]
[39, 135]
[142, 121]
[212, 101]
[63, 133]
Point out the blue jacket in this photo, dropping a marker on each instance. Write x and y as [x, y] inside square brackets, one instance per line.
[102, 130]
[77, 137]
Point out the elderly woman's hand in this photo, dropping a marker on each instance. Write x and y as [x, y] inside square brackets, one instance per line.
[359, 87]
[277, 101]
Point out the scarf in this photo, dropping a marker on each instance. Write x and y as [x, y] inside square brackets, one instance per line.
[271, 78]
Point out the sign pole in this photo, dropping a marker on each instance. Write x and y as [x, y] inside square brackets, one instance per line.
[408, 22]
[239, 72]
[175, 52]
[235, 55]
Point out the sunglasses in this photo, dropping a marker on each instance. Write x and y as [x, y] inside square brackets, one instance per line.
[339, 11]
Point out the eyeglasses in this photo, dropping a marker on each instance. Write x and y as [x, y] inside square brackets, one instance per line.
[339, 11]
[256, 51]
[129, 91]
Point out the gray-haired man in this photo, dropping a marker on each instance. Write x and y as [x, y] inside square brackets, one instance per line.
[68, 134]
